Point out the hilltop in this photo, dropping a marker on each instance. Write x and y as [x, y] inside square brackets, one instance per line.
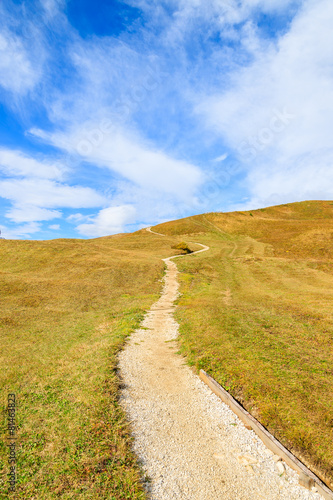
[255, 312]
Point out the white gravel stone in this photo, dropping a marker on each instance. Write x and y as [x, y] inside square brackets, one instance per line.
[182, 432]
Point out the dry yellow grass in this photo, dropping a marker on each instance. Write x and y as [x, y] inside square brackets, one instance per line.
[67, 308]
[256, 313]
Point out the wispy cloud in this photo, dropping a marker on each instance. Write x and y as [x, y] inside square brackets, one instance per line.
[16, 163]
[106, 145]
[277, 116]
[52, 7]
[17, 71]
[23, 212]
[20, 231]
[49, 194]
[136, 125]
[221, 158]
[35, 188]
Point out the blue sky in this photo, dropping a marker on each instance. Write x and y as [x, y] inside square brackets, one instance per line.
[117, 115]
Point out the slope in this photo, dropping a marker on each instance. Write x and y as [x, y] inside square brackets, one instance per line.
[256, 313]
[67, 308]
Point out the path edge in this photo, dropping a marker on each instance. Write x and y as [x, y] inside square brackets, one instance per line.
[307, 478]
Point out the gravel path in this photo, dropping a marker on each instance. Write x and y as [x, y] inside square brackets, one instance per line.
[149, 229]
[191, 445]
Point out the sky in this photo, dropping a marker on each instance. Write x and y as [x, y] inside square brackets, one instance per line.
[121, 114]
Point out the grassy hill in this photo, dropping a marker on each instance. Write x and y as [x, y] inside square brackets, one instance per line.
[255, 312]
[67, 308]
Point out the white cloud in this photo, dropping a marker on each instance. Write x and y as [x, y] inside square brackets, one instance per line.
[308, 178]
[76, 217]
[292, 157]
[269, 5]
[54, 227]
[49, 194]
[28, 213]
[211, 13]
[15, 163]
[24, 231]
[17, 71]
[202, 46]
[131, 158]
[221, 158]
[110, 220]
[52, 7]
[33, 187]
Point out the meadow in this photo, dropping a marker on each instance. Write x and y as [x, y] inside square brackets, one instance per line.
[67, 308]
[256, 314]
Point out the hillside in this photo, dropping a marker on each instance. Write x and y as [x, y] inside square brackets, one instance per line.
[256, 313]
[67, 308]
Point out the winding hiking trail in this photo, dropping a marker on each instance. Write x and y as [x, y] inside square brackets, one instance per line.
[189, 443]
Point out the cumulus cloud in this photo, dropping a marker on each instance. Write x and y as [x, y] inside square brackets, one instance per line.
[110, 220]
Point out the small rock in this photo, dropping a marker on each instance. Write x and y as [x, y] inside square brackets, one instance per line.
[280, 467]
[247, 460]
[306, 481]
[276, 458]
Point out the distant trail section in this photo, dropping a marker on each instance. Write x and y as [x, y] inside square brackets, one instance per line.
[189, 443]
[149, 229]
